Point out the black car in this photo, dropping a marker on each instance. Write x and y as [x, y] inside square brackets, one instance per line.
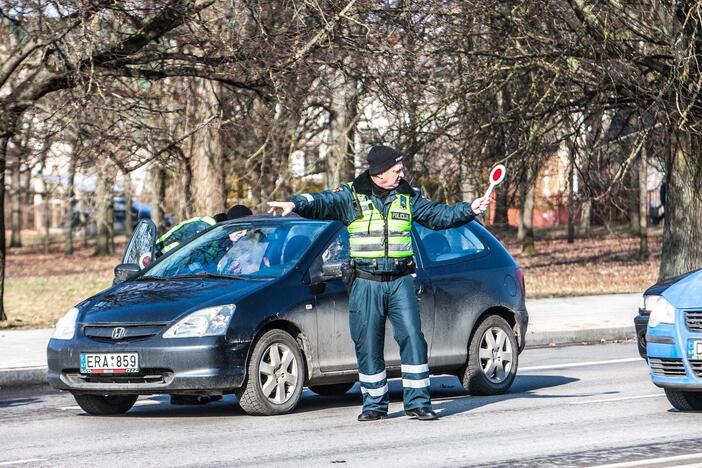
[256, 307]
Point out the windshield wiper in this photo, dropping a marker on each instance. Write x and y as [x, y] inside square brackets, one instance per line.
[205, 275]
[150, 278]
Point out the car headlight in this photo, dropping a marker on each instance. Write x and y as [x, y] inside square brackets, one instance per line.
[211, 321]
[66, 326]
[662, 311]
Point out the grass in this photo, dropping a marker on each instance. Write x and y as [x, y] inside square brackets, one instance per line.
[33, 302]
[40, 288]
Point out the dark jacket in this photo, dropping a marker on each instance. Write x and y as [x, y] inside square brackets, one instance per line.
[338, 205]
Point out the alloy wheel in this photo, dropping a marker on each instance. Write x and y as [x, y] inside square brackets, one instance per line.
[278, 371]
[495, 355]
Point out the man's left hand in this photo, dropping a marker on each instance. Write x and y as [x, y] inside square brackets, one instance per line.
[480, 205]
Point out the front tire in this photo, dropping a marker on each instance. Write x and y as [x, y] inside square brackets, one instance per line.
[105, 405]
[332, 389]
[493, 356]
[275, 376]
[684, 401]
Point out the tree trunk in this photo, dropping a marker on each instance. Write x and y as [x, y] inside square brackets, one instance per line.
[70, 206]
[501, 204]
[571, 200]
[525, 231]
[186, 207]
[340, 155]
[128, 217]
[643, 205]
[634, 200]
[3, 250]
[205, 152]
[158, 188]
[584, 227]
[682, 234]
[16, 205]
[103, 210]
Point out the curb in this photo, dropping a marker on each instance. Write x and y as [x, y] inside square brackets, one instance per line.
[589, 336]
[23, 376]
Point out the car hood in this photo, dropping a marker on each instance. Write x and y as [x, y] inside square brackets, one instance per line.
[686, 293]
[163, 301]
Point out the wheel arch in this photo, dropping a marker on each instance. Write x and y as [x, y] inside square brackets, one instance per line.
[510, 317]
[290, 328]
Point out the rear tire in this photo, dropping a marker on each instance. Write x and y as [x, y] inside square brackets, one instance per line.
[333, 389]
[493, 356]
[684, 401]
[275, 376]
[105, 405]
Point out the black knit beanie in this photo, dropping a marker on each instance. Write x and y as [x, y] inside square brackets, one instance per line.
[381, 158]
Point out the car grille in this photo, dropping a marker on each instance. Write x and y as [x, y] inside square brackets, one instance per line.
[104, 332]
[145, 376]
[667, 367]
[696, 366]
[693, 319]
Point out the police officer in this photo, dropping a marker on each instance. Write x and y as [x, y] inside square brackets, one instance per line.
[378, 208]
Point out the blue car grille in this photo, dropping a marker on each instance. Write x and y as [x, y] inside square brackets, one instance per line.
[696, 365]
[667, 367]
[693, 319]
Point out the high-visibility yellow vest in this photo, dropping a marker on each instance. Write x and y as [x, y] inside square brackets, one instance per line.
[374, 236]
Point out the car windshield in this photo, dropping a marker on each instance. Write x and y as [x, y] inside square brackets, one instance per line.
[249, 250]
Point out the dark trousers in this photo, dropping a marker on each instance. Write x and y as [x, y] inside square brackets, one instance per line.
[370, 303]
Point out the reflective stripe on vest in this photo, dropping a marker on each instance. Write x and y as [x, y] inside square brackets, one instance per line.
[367, 235]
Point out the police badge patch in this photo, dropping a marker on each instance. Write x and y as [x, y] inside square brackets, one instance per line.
[401, 216]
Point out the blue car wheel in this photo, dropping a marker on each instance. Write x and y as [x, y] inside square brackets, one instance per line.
[684, 401]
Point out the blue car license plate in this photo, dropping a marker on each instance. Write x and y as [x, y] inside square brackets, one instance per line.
[109, 363]
[694, 349]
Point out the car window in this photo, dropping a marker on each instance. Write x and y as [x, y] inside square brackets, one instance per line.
[449, 244]
[242, 249]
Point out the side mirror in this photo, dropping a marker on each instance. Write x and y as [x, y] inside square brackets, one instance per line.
[124, 271]
[331, 271]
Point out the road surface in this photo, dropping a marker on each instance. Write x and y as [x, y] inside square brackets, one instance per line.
[571, 406]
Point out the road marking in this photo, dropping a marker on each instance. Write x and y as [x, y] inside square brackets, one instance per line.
[19, 462]
[580, 364]
[656, 461]
[607, 400]
[137, 403]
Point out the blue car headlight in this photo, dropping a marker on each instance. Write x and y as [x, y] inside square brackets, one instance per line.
[662, 311]
[66, 326]
[211, 321]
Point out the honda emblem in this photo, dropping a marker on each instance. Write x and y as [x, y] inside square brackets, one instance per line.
[118, 333]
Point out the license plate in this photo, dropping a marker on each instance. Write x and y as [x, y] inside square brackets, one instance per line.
[109, 363]
[694, 349]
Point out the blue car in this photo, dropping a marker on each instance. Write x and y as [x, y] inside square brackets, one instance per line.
[674, 338]
[257, 307]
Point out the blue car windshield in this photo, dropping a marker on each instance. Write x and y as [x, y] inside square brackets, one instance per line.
[250, 250]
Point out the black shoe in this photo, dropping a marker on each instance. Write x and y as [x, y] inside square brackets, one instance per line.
[372, 416]
[424, 414]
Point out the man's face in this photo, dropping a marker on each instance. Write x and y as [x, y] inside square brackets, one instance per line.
[390, 179]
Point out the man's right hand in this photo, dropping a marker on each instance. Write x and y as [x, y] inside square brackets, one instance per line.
[284, 208]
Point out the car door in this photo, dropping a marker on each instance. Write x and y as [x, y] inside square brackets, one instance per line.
[336, 350]
[457, 264]
[140, 248]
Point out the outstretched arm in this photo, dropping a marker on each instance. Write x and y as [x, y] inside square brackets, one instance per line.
[439, 216]
[329, 204]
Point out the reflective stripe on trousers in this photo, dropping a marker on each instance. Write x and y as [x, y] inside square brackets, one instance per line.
[369, 304]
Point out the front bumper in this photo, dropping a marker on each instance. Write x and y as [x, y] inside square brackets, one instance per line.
[641, 324]
[669, 363]
[176, 365]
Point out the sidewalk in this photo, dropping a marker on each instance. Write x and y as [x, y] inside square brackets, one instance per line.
[552, 322]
